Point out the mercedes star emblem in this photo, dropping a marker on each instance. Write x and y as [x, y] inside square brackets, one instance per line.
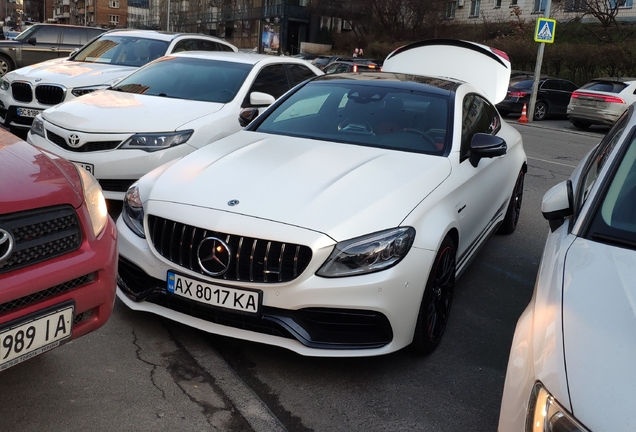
[74, 140]
[213, 256]
[6, 245]
[232, 203]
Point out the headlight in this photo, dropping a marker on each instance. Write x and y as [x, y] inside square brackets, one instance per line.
[133, 211]
[545, 414]
[95, 201]
[156, 141]
[368, 254]
[37, 127]
[4, 85]
[79, 91]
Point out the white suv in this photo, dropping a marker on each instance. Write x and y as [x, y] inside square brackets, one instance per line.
[26, 92]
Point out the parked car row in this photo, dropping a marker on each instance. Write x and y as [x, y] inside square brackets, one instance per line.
[254, 210]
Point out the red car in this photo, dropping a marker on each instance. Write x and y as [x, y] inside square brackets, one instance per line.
[58, 252]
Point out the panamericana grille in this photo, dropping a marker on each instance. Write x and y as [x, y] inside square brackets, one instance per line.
[252, 260]
[87, 147]
[45, 294]
[49, 94]
[22, 92]
[40, 235]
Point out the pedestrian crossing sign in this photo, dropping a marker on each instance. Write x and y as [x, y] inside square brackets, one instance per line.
[545, 30]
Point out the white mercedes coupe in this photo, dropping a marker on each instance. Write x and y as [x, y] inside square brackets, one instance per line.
[336, 223]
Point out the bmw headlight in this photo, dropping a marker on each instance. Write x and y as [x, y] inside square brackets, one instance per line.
[95, 201]
[156, 141]
[4, 85]
[368, 254]
[545, 414]
[133, 211]
[79, 91]
[37, 127]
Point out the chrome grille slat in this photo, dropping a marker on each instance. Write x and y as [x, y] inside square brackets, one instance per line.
[255, 259]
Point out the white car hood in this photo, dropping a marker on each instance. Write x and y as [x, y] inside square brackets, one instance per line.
[109, 111]
[599, 327]
[70, 74]
[338, 189]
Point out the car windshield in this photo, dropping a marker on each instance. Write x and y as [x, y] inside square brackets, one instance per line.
[616, 219]
[121, 50]
[26, 34]
[362, 114]
[187, 78]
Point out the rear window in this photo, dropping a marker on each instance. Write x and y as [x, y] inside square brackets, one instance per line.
[122, 50]
[367, 115]
[525, 84]
[605, 86]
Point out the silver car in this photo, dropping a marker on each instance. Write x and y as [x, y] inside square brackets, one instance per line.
[601, 101]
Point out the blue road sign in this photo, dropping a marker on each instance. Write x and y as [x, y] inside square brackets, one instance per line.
[545, 30]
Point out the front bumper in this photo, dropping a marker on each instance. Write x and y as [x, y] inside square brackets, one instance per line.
[116, 169]
[364, 315]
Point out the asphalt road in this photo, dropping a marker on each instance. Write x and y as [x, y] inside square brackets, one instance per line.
[142, 373]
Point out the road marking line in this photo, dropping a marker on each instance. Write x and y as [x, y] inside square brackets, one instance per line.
[552, 162]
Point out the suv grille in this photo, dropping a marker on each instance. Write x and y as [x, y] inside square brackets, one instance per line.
[40, 235]
[87, 147]
[22, 92]
[253, 260]
[49, 94]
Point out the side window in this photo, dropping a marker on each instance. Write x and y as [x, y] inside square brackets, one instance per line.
[330, 69]
[551, 85]
[478, 116]
[223, 47]
[73, 36]
[185, 45]
[299, 73]
[568, 86]
[206, 45]
[47, 35]
[598, 158]
[271, 80]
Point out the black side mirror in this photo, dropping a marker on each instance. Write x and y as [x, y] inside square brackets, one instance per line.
[32, 40]
[486, 146]
[247, 115]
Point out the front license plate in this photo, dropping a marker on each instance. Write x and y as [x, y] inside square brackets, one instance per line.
[214, 295]
[27, 112]
[88, 167]
[39, 334]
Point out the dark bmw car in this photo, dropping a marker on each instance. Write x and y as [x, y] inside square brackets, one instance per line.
[553, 97]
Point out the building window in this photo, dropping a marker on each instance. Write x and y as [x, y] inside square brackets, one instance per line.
[621, 3]
[113, 19]
[114, 4]
[450, 10]
[497, 4]
[539, 6]
[513, 3]
[474, 8]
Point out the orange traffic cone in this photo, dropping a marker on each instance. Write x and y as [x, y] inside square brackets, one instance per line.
[524, 117]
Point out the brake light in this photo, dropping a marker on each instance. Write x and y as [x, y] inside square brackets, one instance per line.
[355, 68]
[603, 98]
[500, 53]
[371, 66]
[518, 94]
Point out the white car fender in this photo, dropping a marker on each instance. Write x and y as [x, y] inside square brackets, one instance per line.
[537, 349]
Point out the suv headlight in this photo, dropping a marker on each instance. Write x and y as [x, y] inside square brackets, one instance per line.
[368, 254]
[156, 141]
[545, 414]
[133, 211]
[95, 201]
[4, 85]
[37, 127]
[79, 91]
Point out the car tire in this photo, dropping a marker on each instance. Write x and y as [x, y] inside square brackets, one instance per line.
[6, 65]
[580, 124]
[540, 111]
[436, 301]
[511, 219]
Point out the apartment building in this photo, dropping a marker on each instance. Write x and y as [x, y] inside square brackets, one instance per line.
[100, 13]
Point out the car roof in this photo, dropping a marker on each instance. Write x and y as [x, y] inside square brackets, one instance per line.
[162, 35]
[435, 85]
[615, 79]
[240, 57]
